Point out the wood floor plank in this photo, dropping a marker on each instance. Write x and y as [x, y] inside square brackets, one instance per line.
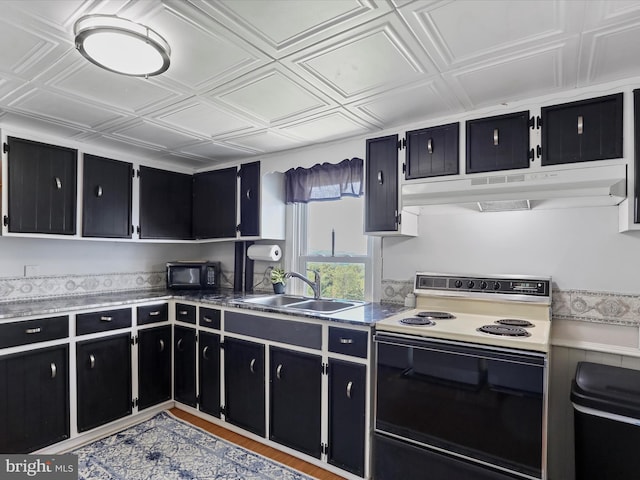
[249, 444]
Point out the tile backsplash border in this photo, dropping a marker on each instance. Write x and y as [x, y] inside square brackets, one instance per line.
[579, 305]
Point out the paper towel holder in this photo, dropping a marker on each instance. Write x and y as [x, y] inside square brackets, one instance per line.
[267, 253]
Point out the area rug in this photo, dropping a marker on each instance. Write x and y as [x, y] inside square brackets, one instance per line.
[165, 448]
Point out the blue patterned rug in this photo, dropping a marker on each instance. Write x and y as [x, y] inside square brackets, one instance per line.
[166, 448]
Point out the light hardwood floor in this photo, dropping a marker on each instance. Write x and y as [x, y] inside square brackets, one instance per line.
[257, 447]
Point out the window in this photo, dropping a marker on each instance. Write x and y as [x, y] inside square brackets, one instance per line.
[330, 240]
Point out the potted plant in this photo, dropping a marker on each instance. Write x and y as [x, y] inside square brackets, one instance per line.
[278, 279]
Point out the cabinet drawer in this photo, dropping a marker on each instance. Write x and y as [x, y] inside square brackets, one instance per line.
[32, 331]
[102, 321]
[209, 317]
[348, 342]
[186, 313]
[153, 314]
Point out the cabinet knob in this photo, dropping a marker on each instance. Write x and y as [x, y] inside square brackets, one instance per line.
[54, 370]
[179, 345]
[349, 387]
[106, 319]
[278, 371]
[204, 352]
[183, 312]
[207, 319]
[99, 191]
[496, 137]
[248, 194]
[92, 361]
[580, 124]
[380, 179]
[58, 182]
[252, 365]
[430, 145]
[154, 313]
[31, 331]
[161, 345]
[346, 341]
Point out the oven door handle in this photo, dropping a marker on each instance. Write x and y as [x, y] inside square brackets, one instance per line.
[478, 351]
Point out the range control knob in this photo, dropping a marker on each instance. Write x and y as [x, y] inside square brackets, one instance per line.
[483, 285]
[470, 284]
[496, 285]
[458, 283]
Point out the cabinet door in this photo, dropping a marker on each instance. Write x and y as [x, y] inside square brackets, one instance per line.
[34, 399]
[381, 182]
[214, 204]
[347, 402]
[106, 198]
[244, 385]
[250, 199]
[498, 143]
[209, 373]
[42, 187]
[104, 380]
[582, 131]
[296, 392]
[636, 134]
[184, 366]
[154, 366]
[433, 152]
[165, 204]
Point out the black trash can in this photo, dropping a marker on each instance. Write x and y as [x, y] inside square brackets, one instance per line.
[606, 402]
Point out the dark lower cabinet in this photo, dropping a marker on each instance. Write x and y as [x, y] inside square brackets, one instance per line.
[106, 197]
[244, 384]
[295, 401]
[209, 373]
[381, 185]
[184, 365]
[103, 380]
[34, 399]
[154, 366]
[498, 143]
[347, 401]
[42, 187]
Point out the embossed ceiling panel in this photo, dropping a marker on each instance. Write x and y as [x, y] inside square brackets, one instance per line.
[249, 77]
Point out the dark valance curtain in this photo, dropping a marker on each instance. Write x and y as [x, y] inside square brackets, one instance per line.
[328, 181]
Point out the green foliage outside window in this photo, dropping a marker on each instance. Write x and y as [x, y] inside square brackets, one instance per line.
[339, 280]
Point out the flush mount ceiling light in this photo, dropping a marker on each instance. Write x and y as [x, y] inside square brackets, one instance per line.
[122, 46]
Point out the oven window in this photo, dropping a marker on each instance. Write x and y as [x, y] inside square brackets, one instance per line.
[485, 408]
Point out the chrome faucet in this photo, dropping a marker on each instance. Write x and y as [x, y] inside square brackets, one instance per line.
[315, 284]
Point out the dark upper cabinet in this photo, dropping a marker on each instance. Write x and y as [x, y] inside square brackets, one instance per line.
[214, 204]
[154, 366]
[433, 152]
[209, 373]
[347, 401]
[498, 143]
[42, 187]
[244, 384]
[582, 131]
[103, 380]
[165, 204]
[249, 199]
[34, 399]
[106, 197]
[636, 135]
[295, 404]
[184, 365]
[381, 184]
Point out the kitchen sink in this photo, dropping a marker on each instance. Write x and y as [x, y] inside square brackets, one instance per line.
[290, 302]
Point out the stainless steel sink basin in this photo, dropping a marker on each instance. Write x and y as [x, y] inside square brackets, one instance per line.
[290, 302]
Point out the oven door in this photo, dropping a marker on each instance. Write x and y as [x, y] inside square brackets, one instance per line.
[484, 405]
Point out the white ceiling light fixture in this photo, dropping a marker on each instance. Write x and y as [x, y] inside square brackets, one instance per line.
[121, 46]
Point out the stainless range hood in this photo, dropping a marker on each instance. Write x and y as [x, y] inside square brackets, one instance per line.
[586, 185]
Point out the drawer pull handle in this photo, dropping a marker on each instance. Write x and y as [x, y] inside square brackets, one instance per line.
[106, 319]
[54, 370]
[252, 365]
[58, 182]
[349, 387]
[204, 352]
[99, 191]
[161, 345]
[183, 312]
[346, 341]
[31, 331]
[155, 313]
[92, 361]
[496, 138]
[380, 179]
[580, 124]
[248, 194]
[430, 145]
[179, 344]
[279, 371]
[207, 319]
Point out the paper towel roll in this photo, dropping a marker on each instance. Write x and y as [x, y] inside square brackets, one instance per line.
[268, 253]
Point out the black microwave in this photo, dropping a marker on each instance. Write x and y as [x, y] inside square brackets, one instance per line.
[193, 275]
